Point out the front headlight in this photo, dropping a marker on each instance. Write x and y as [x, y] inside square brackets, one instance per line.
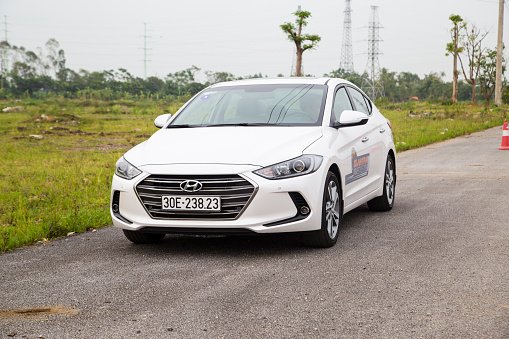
[304, 164]
[125, 170]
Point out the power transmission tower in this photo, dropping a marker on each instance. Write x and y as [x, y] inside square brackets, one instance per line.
[145, 36]
[346, 62]
[373, 85]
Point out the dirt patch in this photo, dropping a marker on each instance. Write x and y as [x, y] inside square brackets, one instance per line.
[65, 119]
[38, 312]
[106, 148]
[64, 134]
[59, 128]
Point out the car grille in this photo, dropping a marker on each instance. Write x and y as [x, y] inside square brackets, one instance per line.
[235, 193]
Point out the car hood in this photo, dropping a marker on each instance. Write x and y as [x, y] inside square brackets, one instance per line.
[238, 145]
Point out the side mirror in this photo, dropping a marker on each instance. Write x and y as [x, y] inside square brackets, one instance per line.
[351, 118]
[161, 120]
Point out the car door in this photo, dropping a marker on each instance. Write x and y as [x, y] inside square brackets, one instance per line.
[355, 146]
[373, 145]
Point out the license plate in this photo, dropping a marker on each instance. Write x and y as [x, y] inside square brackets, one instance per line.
[187, 203]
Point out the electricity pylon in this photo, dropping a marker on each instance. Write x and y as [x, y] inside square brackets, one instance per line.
[145, 36]
[346, 62]
[373, 85]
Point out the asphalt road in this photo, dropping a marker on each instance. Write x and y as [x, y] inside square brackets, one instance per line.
[436, 266]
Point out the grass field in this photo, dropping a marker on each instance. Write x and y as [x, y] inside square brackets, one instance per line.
[417, 124]
[57, 156]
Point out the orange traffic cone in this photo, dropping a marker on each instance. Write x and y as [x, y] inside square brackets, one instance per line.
[505, 137]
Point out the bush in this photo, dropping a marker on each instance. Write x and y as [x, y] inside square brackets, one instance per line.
[505, 95]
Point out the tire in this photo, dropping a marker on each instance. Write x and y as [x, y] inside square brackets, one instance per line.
[143, 238]
[332, 211]
[385, 202]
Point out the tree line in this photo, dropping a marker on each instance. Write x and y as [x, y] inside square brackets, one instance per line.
[43, 72]
[477, 63]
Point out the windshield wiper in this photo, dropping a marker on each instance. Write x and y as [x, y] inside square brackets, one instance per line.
[182, 126]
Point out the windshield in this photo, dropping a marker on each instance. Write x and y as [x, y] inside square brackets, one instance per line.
[299, 105]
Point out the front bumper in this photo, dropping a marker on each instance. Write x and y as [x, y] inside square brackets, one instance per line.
[274, 207]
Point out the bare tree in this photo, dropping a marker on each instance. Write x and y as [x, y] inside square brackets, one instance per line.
[454, 48]
[56, 57]
[295, 35]
[471, 44]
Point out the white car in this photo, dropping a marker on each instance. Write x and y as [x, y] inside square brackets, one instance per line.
[258, 156]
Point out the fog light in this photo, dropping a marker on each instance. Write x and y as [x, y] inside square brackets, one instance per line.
[114, 207]
[304, 210]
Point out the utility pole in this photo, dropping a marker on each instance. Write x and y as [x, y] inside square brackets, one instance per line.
[500, 47]
[346, 62]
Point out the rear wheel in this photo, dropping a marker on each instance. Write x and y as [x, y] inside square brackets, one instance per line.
[143, 238]
[327, 235]
[386, 200]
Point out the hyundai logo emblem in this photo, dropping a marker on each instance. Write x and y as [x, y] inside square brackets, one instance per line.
[191, 186]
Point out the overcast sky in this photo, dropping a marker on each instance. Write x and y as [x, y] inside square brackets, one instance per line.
[241, 37]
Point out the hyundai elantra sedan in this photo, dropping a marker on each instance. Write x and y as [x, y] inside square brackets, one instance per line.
[258, 156]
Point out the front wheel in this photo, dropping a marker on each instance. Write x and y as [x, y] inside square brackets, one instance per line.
[143, 238]
[386, 200]
[332, 210]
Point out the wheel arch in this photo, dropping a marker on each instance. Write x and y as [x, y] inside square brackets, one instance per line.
[392, 154]
[335, 169]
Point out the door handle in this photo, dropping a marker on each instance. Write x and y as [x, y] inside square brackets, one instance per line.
[382, 130]
[364, 139]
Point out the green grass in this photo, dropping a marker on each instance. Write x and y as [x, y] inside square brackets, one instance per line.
[59, 184]
[418, 124]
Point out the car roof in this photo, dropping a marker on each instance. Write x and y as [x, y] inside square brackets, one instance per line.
[276, 81]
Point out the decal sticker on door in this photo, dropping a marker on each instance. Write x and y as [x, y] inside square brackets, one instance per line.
[360, 167]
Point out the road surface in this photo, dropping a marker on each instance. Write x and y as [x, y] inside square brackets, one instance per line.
[436, 266]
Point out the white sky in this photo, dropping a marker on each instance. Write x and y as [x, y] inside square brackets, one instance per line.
[241, 37]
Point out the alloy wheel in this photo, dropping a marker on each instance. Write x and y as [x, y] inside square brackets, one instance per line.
[389, 181]
[332, 209]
